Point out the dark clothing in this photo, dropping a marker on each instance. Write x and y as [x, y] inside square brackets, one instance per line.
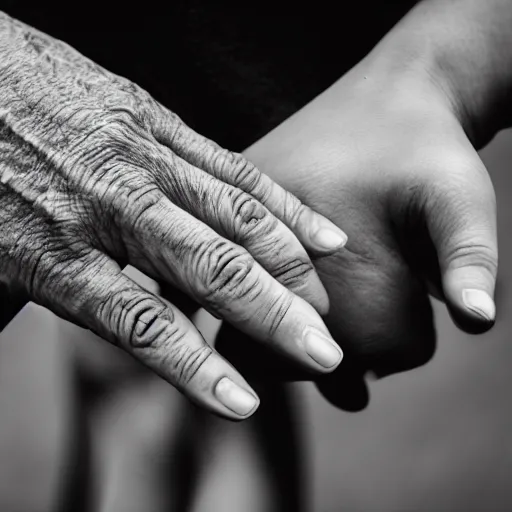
[232, 72]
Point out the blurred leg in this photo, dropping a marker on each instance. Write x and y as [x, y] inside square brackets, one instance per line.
[36, 420]
[131, 432]
[279, 440]
[257, 465]
[133, 419]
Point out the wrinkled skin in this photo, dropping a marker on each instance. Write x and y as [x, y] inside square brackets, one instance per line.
[386, 157]
[96, 174]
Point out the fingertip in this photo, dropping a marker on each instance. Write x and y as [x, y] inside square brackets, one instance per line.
[471, 303]
[237, 399]
[322, 349]
[480, 303]
[318, 234]
[328, 238]
[475, 312]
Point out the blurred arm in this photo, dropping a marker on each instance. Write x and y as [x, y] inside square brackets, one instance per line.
[466, 45]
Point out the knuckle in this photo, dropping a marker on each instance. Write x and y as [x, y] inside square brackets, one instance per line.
[144, 323]
[129, 204]
[148, 325]
[250, 215]
[116, 137]
[293, 273]
[132, 108]
[228, 274]
[112, 165]
[98, 155]
[474, 253]
[59, 277]
[49, 265]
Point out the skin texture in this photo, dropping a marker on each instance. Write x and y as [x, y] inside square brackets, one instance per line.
[370, 128]
[386, 152]
[96, 174]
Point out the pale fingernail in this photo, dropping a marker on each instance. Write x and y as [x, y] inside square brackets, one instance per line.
[480, 302]
[234, 397]
[321, 348]
[329, 238]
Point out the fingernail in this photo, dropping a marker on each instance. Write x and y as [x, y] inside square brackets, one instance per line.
[234, 397]
[330, 238]
[480, 302]
[321, 348]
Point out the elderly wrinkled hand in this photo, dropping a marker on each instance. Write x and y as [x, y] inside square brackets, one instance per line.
[95, 174]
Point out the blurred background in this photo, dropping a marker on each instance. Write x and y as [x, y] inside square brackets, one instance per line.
[82, 427]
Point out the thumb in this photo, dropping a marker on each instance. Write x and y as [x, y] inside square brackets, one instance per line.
[461, 219]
